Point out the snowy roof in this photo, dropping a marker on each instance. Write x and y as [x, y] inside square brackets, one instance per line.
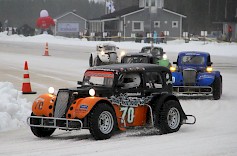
[119, 13]
[67, 13]
[128, 11]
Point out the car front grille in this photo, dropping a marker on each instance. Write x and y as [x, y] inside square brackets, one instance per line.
[189, 77]
[112, 57]
[61, 104]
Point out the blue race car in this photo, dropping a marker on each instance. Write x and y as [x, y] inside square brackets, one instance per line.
[194, 75]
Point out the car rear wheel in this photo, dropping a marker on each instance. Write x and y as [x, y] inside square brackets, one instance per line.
[217, 88]
[91, 61]
[98, 62]
[102, 121]
[168, 118]
[40, 131]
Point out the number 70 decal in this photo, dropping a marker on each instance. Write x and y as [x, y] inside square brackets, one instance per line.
[129, 111]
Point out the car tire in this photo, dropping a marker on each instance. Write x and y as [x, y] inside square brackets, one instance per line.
[217, 88]
[91, 61]
[98, 62]
[40, 131]
[102, 121]
[168, 117]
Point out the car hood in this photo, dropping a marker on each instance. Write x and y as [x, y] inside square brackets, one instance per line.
[197, 68]
[100, 91]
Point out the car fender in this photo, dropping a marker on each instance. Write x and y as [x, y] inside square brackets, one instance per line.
[160, 99]
[177, 78]
[206, 79]
[82, 107]
[164, 62]
[44, 105]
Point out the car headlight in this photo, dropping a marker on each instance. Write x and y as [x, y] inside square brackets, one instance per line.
[172, 69]
[122, 53]
[164, 56]
[209, 69]
[92, 92]
[102, 52]
[51, 90]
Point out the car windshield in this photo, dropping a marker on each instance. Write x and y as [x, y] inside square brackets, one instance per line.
[98, 78]
[193, 59]
[110, 48]
[135, 59]
[153, 51]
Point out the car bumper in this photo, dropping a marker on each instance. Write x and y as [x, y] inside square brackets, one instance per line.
[51, 122]
[192, 89]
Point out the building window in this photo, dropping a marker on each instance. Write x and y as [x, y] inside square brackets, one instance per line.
[156, 24]
[175, 24]
[153, 3]
[137, 26]
[160, 3]
[147, 3]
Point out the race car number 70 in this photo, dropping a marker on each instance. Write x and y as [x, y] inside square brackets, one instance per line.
[129, 111]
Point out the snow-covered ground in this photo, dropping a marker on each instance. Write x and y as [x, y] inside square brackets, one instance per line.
[213, 134]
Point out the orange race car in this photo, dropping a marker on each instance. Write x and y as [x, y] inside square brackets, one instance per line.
[112, 97]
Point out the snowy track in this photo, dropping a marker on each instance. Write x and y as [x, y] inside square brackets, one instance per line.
[214, 134]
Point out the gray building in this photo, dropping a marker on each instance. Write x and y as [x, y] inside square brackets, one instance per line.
[70, 25]
[147, 17]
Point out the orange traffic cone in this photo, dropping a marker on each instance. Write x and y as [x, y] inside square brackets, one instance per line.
[46, 52]
[26, 87]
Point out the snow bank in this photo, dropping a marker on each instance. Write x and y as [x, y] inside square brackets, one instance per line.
[175, 46]
[13, 109]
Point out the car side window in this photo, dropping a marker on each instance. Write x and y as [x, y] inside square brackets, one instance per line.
[153, 80]
[130, 80]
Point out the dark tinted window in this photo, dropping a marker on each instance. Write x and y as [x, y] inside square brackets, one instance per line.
[153, 80]
[135, 60]
[193, 59]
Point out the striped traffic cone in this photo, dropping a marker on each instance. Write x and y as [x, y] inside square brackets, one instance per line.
[26, 87]
[46, 51]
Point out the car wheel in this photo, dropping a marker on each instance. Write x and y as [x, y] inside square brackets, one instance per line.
[217, 88]
[98, 62]
[40, 131]
[102, 121]
[91, 61]
[168, 118]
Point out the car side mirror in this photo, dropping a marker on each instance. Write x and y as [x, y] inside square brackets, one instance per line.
[117, 47]
[175, 62]
[209, 63]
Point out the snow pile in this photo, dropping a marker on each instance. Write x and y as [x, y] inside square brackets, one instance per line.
[175, 46]
[13, 109]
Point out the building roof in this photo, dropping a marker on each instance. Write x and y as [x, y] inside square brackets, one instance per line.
[119, 13]
[175, 13]
[128, 11]
[67, 13]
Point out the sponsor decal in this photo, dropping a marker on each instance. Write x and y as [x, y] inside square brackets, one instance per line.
[125, 100]
[83, 107]
[206, 77]
[192, 53]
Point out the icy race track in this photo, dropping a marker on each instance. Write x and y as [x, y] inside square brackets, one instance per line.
[214, 134]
